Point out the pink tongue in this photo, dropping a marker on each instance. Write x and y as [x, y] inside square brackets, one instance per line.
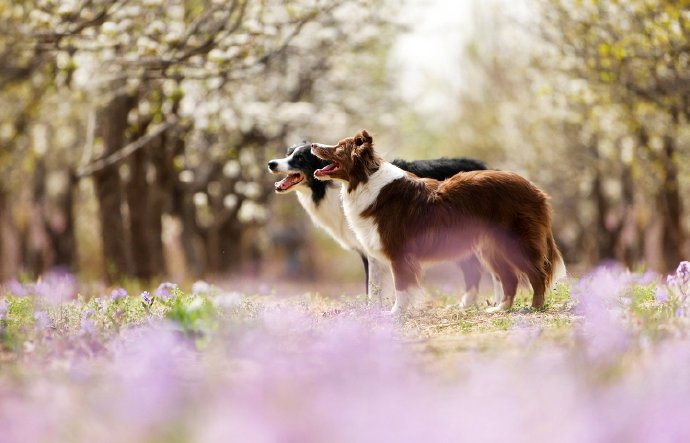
[286, 183]
[326, 169]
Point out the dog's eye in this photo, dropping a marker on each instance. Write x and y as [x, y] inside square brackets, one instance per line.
[359, 141]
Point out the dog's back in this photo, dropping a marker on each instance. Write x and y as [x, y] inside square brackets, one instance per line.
[441, 168]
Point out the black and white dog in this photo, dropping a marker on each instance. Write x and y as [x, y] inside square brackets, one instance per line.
[322, 201]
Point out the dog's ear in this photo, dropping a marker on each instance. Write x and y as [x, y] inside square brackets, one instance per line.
[362, 138]
[365, 135]
[363, 145]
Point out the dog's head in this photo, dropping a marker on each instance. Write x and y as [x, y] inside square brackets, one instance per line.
[352, 160]
[299, 165]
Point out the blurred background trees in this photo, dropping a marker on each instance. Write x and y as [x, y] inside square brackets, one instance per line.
[134, 133]
[590, 100]
[127, 118]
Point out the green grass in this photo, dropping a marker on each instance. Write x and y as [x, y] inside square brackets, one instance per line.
[435, 324]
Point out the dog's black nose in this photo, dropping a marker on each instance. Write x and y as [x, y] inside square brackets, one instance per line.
[272, 165]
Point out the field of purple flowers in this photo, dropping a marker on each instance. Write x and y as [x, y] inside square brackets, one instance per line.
[607, 360]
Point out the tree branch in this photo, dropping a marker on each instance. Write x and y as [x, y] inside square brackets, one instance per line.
[126, 151]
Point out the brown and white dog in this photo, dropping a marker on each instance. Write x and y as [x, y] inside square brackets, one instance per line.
[405, 221]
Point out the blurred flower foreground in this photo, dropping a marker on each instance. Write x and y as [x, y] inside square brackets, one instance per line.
[607, 360]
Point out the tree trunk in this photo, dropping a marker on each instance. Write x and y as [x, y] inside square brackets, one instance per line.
[37, 244]
[193, 243]
[669, 206]
[112, 126]
[138, 204]
[229, 248]
[181, 203]
[62, 233]
[629, 242]
[161, 190]
[4, 265]
[155, 222]
[605, 238]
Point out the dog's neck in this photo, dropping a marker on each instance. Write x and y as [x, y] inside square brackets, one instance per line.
[366, 192]
[316, 188]
[367, 166]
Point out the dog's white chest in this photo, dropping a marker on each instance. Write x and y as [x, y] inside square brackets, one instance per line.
[360, 199]
[329, 216]
[365, 229]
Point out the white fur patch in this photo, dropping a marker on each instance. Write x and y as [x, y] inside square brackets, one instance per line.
[469, 299]
[283, 165]
[559, 272]
[380, 280]
[503, 306]
[498, 289]
[360, 199]
[329, 216]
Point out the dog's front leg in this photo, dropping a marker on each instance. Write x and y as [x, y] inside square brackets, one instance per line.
[406, 278]
[380, 280]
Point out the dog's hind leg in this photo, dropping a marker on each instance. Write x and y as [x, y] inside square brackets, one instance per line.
[508, 281]
[538, 282]
[472, 272]
[498, 289]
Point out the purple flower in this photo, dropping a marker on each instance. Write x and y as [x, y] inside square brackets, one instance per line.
[16, 288]
[87, 313]
[600, 296]
[42, 320]
[146, 298]
[165, 290]
[88, 326]
[201, 287]
[683, 272]
[661, 294]
[101, 303]
[680, 281]
[118, 293]
[671, 280]
[647, 278]
[56, 287]
[3, 309]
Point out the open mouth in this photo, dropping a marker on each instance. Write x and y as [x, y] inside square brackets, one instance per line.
[327, 170]
[288, 182]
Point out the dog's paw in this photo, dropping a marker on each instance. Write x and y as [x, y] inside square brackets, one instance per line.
[468, 300]
[395, 311]
[501, 307]
[466, 309]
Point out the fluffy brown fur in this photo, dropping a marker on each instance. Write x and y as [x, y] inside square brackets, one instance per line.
[500, 215]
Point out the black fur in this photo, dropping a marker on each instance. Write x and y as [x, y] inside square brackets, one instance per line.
[441, 168]
[306, 162]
